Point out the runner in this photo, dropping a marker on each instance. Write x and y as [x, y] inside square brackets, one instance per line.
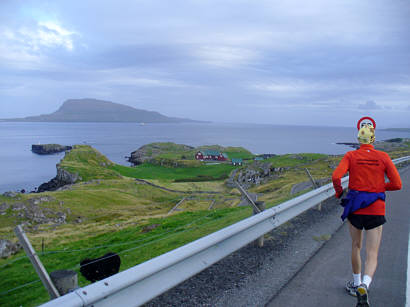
[364, 204]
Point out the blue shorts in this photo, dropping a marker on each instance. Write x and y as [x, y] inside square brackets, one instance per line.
[367, 222]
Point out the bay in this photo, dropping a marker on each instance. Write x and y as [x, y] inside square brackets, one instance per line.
[22, 169]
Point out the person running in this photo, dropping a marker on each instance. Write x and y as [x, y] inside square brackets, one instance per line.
[364, 204]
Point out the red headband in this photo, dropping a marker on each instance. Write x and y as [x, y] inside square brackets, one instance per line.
[363, 118]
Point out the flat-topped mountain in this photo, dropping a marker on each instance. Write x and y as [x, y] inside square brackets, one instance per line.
[93, 110]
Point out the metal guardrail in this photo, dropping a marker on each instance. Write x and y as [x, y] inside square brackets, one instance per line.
[141, 283]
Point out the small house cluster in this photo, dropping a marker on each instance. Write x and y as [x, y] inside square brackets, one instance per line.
[236, 161]
[211, 155]
[215, 155]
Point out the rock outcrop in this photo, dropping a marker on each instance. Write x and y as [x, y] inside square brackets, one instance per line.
[47, 149]
[10, 194]
[254, 174]
[63, 178]
[33, 211]
[8, 248]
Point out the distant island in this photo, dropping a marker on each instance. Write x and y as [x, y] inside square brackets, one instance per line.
[93, 110]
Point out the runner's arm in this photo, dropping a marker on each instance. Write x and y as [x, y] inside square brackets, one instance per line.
[394, 182]
[338, 173]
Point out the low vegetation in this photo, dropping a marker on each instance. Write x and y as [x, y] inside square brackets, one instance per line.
[109, 210]
[88, 163]
[153, 171]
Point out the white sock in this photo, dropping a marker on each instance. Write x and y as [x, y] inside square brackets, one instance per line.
[367, 280]
[357, 280]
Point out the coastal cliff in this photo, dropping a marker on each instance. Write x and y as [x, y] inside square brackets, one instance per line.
[82, 163]
[62, 178]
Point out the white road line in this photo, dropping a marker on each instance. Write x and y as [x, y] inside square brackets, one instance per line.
[408, 276]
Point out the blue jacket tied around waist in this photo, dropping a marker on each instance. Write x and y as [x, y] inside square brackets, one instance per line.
[356, 200]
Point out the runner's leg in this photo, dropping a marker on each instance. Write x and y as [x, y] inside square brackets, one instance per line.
[357, 238]
[373, 239]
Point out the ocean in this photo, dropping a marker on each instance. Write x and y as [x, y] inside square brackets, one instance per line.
[22, 169]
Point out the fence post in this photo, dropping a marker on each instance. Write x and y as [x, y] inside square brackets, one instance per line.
[315, 186]
[248, 198]
[211, 205]
[35, 261]
[257, 206]
[176, 206]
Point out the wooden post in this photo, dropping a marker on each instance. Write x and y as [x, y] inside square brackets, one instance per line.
[176, 206]
[261, 206]
[211, 205]
[249, 199]
[35, 261]
[311, 178]
[258, 207]
[319, 207]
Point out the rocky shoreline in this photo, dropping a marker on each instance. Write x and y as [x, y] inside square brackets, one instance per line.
[353, 145]
[385, 145]
[62, 178]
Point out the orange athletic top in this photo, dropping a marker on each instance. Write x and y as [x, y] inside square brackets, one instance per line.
[367, 168]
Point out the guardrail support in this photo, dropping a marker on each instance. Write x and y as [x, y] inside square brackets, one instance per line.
[261, 205]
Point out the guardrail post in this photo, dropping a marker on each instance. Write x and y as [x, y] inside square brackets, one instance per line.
[261, 206]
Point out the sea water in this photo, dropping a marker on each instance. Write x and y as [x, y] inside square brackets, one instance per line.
[22, 169]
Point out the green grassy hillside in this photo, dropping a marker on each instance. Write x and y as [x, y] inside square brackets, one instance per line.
[88, 163]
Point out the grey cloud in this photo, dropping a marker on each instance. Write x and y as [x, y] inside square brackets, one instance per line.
[137, 55]
[369, 105]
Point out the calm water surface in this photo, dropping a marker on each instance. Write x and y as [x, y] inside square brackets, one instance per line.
[20, 168]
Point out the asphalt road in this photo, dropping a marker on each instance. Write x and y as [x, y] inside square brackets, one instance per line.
[321, 280]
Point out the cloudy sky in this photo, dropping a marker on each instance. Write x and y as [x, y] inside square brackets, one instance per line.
[316, 62]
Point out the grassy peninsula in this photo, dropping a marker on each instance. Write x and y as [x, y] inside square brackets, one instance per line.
[107, 209]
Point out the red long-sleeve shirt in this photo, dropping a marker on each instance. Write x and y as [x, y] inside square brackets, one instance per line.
[367, 168]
